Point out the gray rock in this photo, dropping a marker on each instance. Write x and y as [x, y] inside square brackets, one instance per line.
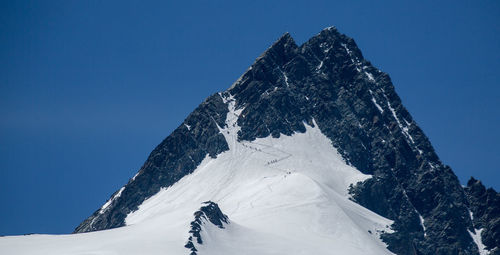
[178, 155]
[209, 213]
[485, 208]
[327, 82]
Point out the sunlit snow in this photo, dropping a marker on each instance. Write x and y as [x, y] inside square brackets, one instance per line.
[118, 194]
[284, 195]
[477, 239]
[375, 102]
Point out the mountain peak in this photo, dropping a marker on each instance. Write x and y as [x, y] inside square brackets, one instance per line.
[329, 31]
[281, 49]
[286, 37]
[324, 86]
[330, 28]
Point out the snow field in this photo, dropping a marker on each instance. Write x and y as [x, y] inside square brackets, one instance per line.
[284, 195]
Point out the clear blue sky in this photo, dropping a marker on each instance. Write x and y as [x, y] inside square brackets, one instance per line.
[89, 88]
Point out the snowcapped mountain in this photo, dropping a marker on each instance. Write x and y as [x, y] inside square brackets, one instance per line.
[310, 151]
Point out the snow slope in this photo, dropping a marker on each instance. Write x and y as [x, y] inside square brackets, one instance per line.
[284, 195]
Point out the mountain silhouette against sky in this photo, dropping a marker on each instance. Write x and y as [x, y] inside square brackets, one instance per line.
[310, 151]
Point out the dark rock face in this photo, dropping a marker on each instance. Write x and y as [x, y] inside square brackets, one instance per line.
[178, 155]
[209, 213]
[327, 82]
[356, 106]
[485, 208]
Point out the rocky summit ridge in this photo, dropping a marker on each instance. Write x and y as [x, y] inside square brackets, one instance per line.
[327, 82]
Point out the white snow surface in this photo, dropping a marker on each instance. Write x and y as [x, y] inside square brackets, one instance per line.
[318, 68]
[105, 206]
[284, 195]
[422, 223]
[477, 239]
[375, 102]
[405, 129]
[370, 76]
